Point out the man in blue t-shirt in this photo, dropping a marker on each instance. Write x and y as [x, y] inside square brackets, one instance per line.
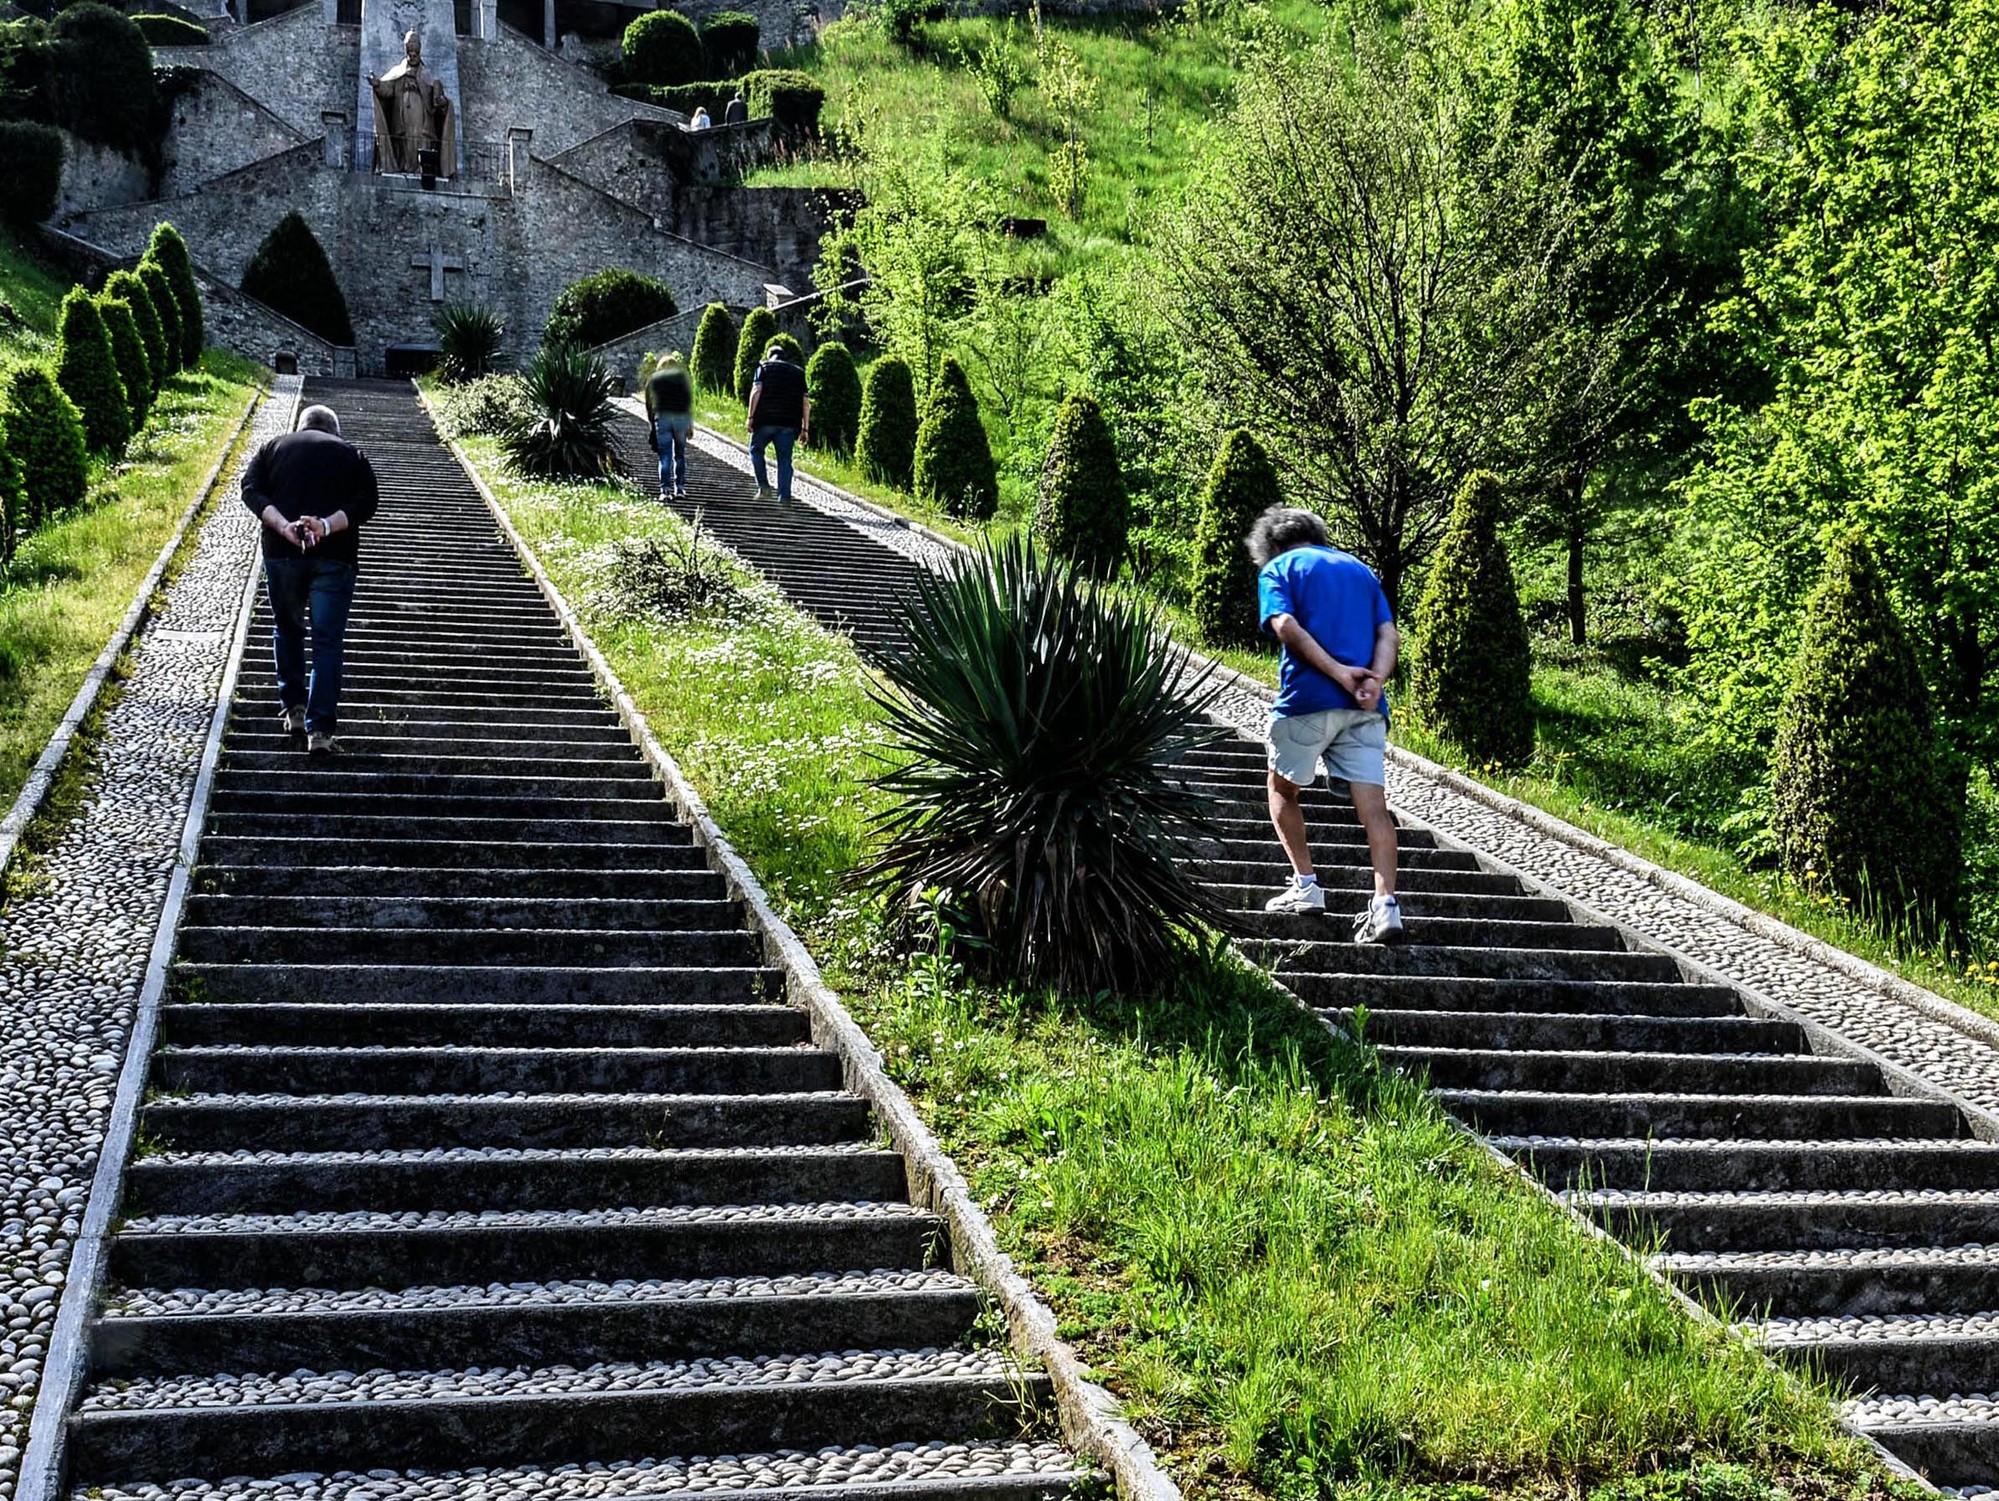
[1326, 609]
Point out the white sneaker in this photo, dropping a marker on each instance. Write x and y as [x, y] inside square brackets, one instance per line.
[319, 743]
[1298, 899]
[293, 720]
[1381, 923]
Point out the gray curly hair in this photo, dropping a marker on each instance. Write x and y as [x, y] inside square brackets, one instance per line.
[1282, 528]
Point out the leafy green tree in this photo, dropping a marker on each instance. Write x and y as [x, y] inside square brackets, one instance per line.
[1083, 514]
[759, 328]
[1862, 806]
[166, 306]
[167, 250]
[713, 363]
[128, 288]
[290, 274]
[1222, 592]
[886, 446]
[608, 304]
[46, 436]
[954, 463]
[662, 47]
[128, 350]
[1469, 678]
[87, 371]
[835, 388]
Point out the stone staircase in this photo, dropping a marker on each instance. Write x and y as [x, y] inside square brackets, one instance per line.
[1850, 1229]
[481, 1151]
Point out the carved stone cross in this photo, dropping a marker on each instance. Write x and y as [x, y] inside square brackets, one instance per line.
[439, 263]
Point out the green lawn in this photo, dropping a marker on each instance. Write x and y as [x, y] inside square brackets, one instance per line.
[1302, 1279]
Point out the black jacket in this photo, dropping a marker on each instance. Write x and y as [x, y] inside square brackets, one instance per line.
[311, 473]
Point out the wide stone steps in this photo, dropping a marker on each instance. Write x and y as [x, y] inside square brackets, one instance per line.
[1667, 1108]
[478, 1139]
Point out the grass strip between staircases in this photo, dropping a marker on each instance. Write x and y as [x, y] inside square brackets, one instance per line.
[1300, 1277]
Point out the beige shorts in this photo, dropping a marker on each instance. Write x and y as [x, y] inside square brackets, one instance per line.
[1353, 744]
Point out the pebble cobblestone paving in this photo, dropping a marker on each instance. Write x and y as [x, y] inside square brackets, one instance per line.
[76, 947]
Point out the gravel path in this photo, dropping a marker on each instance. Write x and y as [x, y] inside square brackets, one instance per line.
[76, 948]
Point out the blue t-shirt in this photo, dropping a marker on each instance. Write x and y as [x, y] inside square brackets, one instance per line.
[1338, 600]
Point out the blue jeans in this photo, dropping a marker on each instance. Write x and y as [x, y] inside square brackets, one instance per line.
[669, 436]
[321, 590]
[761, 439]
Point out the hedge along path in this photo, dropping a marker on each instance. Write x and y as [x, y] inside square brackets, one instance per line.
[1799, 1139]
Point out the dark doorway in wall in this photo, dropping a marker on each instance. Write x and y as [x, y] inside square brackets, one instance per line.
[524, 16]
[263, 10]
[284, 364]
[461, 17]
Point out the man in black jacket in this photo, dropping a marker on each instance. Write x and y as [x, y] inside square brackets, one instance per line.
[313, 490]
[780, 414]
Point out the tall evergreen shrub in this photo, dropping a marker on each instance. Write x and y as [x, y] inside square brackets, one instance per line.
[128, 350]
[12, 497]
[713, 363]
[729, 44]
[954, 463]
[129, 289]
[759, 328]
[607, 305]
[662, 47]
[101, 78]
[167, 307]
[168, 251]
[290, 274]
[835, 388]
[30, 171]
[1469, 671]
[45, 433]
[1222, 589]
[1083, 513]
[1862, 804]
[886, 445]
[87, 371]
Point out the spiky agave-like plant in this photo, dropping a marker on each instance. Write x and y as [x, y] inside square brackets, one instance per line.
[566, 432]
[468, 342]
[1044, 722]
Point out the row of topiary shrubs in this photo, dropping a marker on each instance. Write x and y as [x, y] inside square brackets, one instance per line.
[793, 99]
[115, 352]
[663, 48]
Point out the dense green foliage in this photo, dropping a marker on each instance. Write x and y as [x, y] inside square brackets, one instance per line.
[46, 436]
[788, 348]
[729, 44]
[662, 47]
[128, 353]
[290, 274]
[794, 100]
[166, 307]
[1084, 514]
[885, 445]
[30, 171]
[713, 362]
[170, 31]
[609, 304]
[1861, 805]
[167, 250]
[953, 467]
[468, 342]
[87, 371]
[1221, 589]
[834, 386]
[759, 328]
[1469, 669]
[709, 94]
[101, 78]
[1042, 726]
[565, 431]
[13, 498]
[128, 288]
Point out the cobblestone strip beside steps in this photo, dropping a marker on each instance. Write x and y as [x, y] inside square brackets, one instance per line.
[77, 948]
[1090, 1417]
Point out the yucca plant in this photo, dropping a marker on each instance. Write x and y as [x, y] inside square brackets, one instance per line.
[566, 433]
[1044, 723]
[468, 342]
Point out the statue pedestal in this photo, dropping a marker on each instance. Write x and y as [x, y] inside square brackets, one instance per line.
[383, 24]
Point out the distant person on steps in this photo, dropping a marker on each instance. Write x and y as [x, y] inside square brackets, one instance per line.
[670, 406]
[313, 491]
[701, 121]
[736, 112]
[1327, 610]
[780, 414]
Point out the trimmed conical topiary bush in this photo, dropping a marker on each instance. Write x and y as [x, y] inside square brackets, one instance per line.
[128, 288]
[713, 363]
[661, 47]
[885, 447]
[166, 307]
[835, 388]
[168, 251]
[1222, 589]
[87, 371]
[1862, 804]
[1469, 679]
[759, 328]
[13, 498]
[1083, 513]
[128, 349]
[954, 462]
[290, 274]
[45, 433]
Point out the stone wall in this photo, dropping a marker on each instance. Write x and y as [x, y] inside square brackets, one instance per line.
[295, 64]
[780, 227]
[511, 81]
[94, 174]
[217, 129]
